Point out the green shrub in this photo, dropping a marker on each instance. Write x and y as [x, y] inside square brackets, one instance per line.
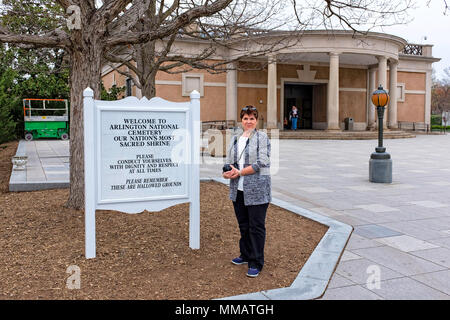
[8, 102]
[440, 128]
[436, 119]
[113, 93]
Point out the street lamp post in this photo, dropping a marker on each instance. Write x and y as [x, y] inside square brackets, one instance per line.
[380, 164]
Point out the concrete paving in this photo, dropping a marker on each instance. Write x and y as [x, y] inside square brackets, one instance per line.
[400, 246]
[47, 167]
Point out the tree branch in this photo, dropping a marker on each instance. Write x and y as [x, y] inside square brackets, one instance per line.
[115, 59]
[129, 18]
[65, 3]
[56, 38]
[165, 31]
[110, 10]
[163, 15]
[127, 74]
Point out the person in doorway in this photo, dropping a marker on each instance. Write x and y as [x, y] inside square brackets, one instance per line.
[293, 116]
[250, 189]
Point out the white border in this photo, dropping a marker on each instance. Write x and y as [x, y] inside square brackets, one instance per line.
[401, 98]
[92, 110]
[184, 93]
[99, 111]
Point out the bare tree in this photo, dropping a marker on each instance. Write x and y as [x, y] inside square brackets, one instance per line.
[94, 27]
[89, 34]
[243, 21]
[440, 93]
[360, 16]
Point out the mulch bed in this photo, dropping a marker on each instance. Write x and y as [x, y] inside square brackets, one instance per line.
[140, 256]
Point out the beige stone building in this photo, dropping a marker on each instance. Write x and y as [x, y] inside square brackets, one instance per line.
[328, 76]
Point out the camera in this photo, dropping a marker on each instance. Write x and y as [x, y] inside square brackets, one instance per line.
[227, 167]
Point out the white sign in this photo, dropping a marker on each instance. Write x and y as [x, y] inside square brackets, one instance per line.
[141, 155]
[137, 161]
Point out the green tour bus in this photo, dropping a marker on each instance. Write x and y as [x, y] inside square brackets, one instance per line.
[46, 118]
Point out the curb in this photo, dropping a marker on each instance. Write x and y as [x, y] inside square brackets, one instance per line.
[313, 278]
[15, 186]
[18, 179]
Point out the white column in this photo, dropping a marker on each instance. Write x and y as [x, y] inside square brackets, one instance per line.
[392, 108]
[382, 75]
[231, 99]
[428, 84]
[272, 94]
[370, 106]
[382, 71]
[333, 94]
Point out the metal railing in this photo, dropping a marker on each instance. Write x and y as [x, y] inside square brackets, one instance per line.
[414, 126]
[413, 49]
[218, 124]
[419, 127]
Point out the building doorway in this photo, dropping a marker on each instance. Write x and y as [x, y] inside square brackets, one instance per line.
[301, 96]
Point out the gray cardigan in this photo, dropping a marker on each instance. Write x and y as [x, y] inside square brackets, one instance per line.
[257, 186]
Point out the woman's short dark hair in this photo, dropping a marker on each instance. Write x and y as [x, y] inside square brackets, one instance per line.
[250, 110]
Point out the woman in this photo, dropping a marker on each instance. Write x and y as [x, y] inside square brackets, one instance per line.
[250, 189]
[293, 116]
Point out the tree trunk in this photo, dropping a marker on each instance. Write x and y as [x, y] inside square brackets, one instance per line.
[147, 66]
[149, 87]
[85, 72]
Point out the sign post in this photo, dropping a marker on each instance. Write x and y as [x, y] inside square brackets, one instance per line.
[141, 155]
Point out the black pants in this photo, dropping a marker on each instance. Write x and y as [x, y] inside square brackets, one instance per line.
[252, 225]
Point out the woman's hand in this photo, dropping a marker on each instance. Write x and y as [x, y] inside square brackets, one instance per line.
[227, 175]
[234, 173]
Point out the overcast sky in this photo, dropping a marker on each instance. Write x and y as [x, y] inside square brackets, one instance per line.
[428, 22]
